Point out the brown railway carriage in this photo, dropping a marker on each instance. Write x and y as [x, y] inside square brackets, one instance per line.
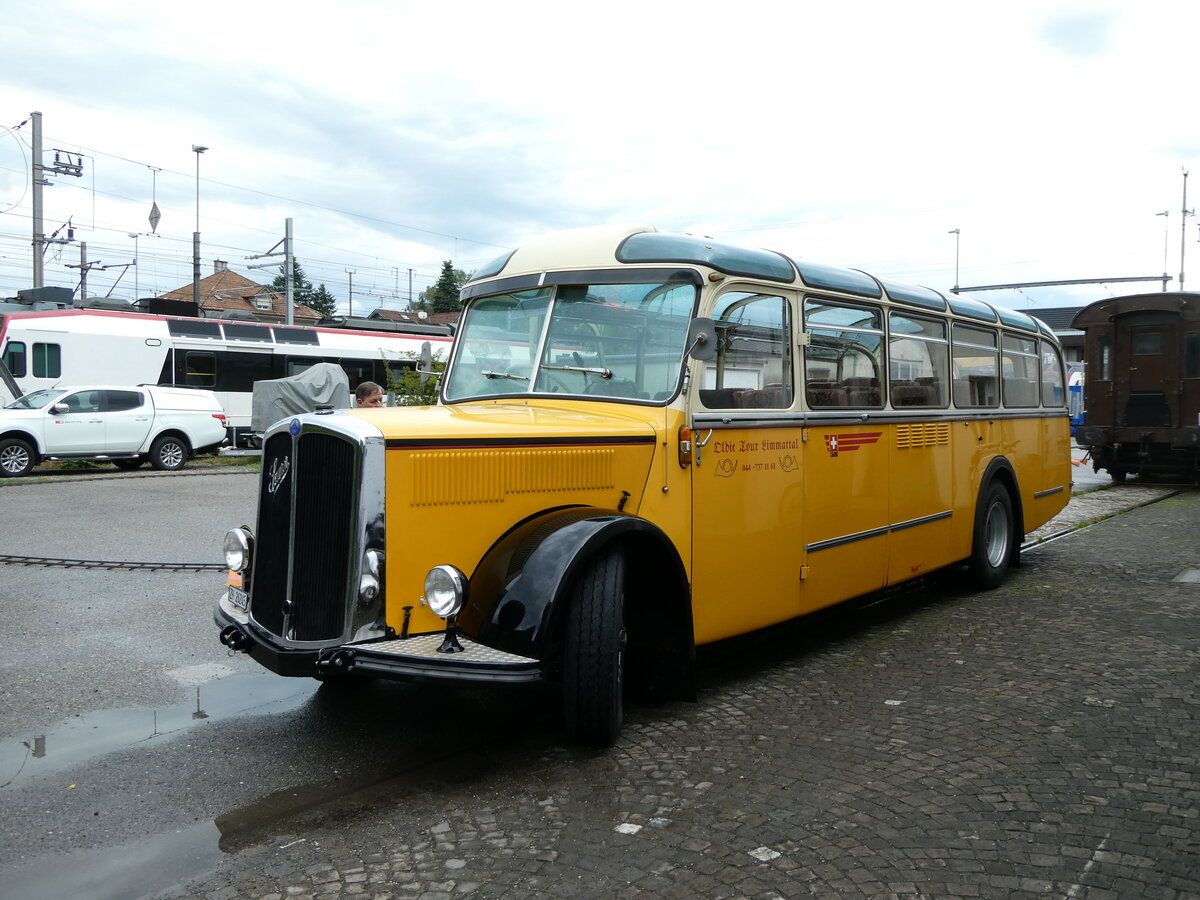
[1142, 369]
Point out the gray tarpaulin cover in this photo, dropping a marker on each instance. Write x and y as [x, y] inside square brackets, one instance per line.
[324, 383]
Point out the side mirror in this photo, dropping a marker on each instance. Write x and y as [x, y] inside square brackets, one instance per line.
[59, 408]
[702, 339]
[426, 363]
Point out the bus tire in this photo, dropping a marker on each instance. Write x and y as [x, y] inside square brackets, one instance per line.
[168, 453]
[992, 543]
[594, 659]
[16, 458]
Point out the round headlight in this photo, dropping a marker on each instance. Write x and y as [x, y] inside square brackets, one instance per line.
[237, 549]
[445, 590]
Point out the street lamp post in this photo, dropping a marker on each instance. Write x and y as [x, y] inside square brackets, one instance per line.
[136, 288]
[1166, 214]
[197, 149]
[955, 232]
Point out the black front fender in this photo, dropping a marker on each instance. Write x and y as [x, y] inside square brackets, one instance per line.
[517, 588]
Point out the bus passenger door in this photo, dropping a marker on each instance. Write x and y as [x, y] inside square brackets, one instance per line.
[747, 485]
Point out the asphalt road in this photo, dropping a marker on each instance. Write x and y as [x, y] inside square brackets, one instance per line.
[1038, 740]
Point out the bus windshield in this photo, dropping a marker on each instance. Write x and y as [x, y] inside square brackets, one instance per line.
[610, 340]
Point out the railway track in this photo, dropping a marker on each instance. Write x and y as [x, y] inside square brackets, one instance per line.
[1083, 510]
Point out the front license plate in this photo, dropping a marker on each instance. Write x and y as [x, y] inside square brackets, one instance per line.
[238, 597]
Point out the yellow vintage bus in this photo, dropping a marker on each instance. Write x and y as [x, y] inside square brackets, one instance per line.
[647, 442]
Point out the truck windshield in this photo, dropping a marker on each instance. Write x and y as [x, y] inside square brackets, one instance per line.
[36, 400]
[609, 340]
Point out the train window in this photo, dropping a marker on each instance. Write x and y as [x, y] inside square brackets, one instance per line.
[1191, 355]
[201, 369]
[1019, 367]
[47, 361]
[238, 331]
[295, 336]
[1104, 359]
[917, 361]
[194, 328]
[975, 364]
[14, 358]
[1053, 392]
[844, 357]
[1147, 343]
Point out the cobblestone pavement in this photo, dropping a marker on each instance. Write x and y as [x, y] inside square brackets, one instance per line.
[1039, 740]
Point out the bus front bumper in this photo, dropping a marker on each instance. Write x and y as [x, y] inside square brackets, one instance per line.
[417, 656]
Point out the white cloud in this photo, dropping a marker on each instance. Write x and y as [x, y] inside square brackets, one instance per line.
[397, 135]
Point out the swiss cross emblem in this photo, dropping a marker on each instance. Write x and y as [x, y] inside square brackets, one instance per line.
[847, 442]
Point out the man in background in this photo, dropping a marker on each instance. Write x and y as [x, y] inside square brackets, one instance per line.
[369, 394]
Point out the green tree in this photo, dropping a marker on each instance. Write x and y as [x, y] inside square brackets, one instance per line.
[408, 388]
[322, 301]
[302, 288]
[443, 295]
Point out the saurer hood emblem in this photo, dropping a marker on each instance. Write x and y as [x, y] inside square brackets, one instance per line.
[279, 472]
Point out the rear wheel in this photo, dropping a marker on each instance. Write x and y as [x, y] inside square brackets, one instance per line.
[594, 674]
[168, 453]
[992, 545]
[16, 458]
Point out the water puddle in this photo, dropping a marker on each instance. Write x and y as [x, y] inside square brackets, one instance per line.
[146, 869]
[107, 731]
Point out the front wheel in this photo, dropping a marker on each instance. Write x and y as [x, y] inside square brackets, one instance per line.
[16, 458]
[594, 674]
[992, 545]
[168, 453]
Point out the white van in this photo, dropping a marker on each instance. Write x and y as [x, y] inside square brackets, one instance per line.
[124, 425]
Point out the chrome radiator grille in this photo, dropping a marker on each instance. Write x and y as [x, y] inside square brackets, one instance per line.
[307, 519]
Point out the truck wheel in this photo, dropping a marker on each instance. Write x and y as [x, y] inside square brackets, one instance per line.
[1118, 475]
[991, 547]
[16, 458]
[128, 465]
[594, 673]
[168, 453]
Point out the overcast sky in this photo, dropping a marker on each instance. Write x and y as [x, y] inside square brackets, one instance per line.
[397, 135]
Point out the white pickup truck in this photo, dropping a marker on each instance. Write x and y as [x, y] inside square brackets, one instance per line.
[123, 425]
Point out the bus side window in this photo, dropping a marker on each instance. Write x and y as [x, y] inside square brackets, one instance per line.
[753, 367]
[917, 354]
[976, 367]
[14, 358]
[843, 360]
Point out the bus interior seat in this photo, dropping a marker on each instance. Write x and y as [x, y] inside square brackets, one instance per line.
[720, 398]
[827, 393]
[775, 396]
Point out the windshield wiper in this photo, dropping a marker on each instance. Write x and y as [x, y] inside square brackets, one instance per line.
[488, 373]
[603, 373]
